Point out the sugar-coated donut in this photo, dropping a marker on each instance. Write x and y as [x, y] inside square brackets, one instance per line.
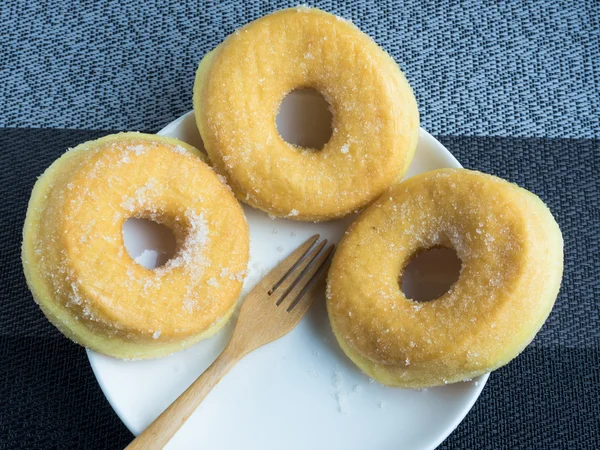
[84, 280]
[239, 88]
[511, 251]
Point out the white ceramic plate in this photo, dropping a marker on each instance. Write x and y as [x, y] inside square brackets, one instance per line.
[300, 392]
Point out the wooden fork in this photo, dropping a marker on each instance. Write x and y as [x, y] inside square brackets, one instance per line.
[270, 311]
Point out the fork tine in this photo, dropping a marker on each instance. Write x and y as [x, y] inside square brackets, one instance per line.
[311, 277]
[289, 264]
[299, 271]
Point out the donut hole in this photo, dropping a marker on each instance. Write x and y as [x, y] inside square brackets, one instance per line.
[149, 243]
[430, 274]
[304, 119]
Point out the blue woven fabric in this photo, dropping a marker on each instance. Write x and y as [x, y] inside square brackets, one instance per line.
[478, 68]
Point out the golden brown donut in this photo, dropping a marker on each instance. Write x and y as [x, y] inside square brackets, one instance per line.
[81, 275]
[239, 88]
[512, 260]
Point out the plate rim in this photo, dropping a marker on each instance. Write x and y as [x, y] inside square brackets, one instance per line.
[443, 435]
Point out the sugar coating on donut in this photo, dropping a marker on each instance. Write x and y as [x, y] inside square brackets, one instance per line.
[511, 254]
[79, 270]
[179, 149]
[190, 255]
[375, 118]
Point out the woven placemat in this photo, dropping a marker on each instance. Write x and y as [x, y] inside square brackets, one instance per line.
[546, 398]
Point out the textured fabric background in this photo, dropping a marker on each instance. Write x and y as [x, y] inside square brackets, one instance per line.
[501, 83]
[478, 68]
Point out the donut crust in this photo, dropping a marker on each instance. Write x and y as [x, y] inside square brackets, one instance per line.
[84, 280]
[511, 250]
[375, 117]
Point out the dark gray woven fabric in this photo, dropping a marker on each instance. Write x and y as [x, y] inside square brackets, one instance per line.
[478, 68]
[547, 398]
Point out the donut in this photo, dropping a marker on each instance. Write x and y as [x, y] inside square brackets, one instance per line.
[238, 91]
[511, 253]
[83, 279]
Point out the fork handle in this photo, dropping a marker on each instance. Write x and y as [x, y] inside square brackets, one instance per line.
[164, 427]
